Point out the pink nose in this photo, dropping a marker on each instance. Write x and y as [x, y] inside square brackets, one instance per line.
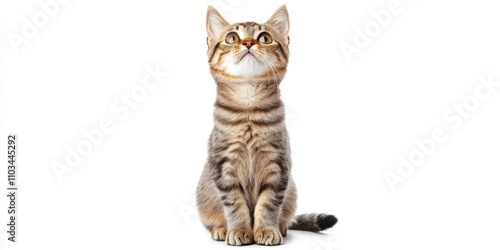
[248, 43]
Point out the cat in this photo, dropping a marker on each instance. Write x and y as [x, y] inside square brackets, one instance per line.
[246, 193]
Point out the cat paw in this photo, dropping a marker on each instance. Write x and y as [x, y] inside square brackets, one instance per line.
[268, 237]
[239, 237]
[219, 233]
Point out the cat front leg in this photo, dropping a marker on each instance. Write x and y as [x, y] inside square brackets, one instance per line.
[269, 204]
[236, 210]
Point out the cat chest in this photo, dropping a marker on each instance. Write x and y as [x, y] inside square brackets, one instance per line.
[247, 126]
[247, 135]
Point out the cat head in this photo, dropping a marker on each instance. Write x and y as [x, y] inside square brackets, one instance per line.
[248, 51]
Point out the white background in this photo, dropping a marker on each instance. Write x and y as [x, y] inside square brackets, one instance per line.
[348, 123]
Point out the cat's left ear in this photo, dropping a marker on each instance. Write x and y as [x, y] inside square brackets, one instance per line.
[279, 20]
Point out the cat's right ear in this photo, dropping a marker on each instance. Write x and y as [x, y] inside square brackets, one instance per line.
[216, 24]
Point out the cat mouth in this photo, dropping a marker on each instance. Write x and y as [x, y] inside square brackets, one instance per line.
[248, 53]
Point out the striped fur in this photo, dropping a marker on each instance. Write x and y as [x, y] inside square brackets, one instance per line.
[246, 193]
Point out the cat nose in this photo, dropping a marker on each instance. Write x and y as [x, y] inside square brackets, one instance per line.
[248, 43]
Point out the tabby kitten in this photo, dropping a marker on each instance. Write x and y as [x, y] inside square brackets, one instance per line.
[246, 193]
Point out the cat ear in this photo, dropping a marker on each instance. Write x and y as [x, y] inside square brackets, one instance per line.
[215, 25]
[279, 20]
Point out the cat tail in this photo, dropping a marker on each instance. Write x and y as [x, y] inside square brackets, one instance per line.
[313, 222]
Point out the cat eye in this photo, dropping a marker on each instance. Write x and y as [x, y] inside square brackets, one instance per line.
[232, 38]
[265, 38]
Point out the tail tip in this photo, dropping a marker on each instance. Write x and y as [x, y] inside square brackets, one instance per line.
[326, 221]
